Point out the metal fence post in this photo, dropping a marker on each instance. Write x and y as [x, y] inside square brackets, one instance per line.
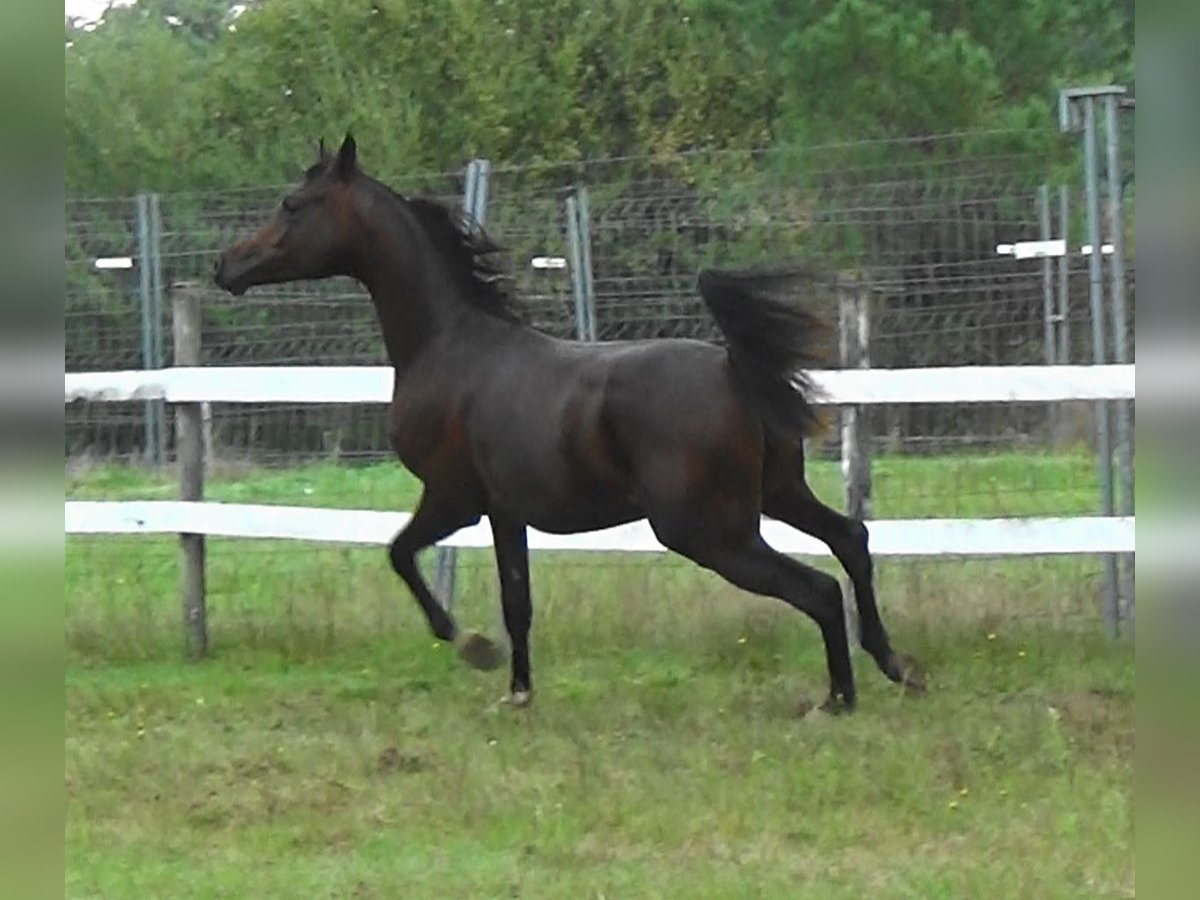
[149, 329]
[575, 260]
[1048, 323]
[1064, 278]
[580, 252]
[1062, 315]
[469, 185]
[1120, 334]
[157, 319]
[1049, 317]
[585, 245]
[854, 346]
[483, 174]
[475, 197]
[1068, 120]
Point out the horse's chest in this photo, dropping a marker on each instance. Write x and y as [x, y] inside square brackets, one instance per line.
[429, 437]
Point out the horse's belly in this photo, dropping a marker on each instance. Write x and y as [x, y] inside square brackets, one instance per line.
[540, 487]
[572, 519]
[556, 497]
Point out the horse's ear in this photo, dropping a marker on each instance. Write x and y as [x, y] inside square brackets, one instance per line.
[322, 153]
[347, 158]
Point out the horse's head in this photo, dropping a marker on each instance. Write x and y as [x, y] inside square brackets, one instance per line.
[310, 234]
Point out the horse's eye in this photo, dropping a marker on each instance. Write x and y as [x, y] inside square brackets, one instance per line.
[290, 204]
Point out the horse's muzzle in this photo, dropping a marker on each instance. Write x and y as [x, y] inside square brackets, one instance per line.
[224, 276]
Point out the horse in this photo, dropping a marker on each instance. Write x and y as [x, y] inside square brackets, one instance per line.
[498, 419]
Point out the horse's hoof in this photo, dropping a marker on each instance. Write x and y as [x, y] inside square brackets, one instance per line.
[911, 675]
[834, 705]
[520, 699]
[479, 652]
[837, 705]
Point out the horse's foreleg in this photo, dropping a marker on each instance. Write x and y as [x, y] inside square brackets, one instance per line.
[512, 561]
[435, 519]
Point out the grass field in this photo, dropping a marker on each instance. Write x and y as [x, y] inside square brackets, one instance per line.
[331, 749]
[1005, 484]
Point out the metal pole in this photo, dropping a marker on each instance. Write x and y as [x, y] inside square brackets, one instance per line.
[475, 197]
[854, 349]
[470, 186]
[1064, 279]
[575, 254]
[158, 340]
[145, 265]
[1119, 326]
[585, 244]
[1096, 293]
[1053, 410]
[483, 171]
[1043, 208]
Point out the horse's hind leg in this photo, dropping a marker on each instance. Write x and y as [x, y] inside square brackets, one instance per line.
[437, 518]
[754, 566]
[847, 538]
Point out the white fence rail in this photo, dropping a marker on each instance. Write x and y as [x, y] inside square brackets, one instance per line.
[373, 384]
[193, 520]
[889, 537]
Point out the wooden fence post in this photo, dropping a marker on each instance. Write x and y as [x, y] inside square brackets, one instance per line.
[189, 450]
[854, 340]
[210, 459]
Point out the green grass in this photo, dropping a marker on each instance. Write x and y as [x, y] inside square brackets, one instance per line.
[1007, 484]
[330, 749]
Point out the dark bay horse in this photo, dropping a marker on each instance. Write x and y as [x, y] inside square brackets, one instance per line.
[499, 420]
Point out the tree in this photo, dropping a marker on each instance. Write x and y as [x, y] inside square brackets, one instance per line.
[133, 100]
[181, 93]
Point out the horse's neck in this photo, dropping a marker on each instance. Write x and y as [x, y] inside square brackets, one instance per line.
[413, 300]
[419, 310]
[408, 322]
[418, 303]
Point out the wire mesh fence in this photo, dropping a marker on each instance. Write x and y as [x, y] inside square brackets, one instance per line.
[915, 223]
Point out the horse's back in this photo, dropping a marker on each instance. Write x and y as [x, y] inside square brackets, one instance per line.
[683, 386]
[573, 436]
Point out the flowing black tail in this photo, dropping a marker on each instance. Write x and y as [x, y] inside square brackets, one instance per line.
[770, 344]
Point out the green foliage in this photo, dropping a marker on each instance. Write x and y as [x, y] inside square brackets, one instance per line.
[874, 72]
[134, 95]
[205, 99]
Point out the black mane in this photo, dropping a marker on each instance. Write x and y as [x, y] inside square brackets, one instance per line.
[465, 247]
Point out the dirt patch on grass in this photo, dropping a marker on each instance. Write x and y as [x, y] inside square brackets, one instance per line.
[1098, 718]
[392, 760]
